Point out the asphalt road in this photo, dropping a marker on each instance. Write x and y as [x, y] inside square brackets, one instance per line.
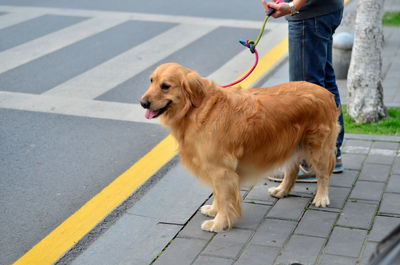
[71, 77]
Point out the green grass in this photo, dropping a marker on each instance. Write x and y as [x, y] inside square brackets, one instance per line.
[388, 126]
[391, 19]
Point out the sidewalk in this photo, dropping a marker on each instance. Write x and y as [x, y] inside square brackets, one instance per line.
[162, 225]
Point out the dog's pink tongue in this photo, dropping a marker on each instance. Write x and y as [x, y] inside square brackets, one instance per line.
[150, 114]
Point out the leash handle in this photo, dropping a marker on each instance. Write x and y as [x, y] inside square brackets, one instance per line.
[270, 12]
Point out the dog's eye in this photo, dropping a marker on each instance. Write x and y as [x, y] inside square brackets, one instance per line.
[165, 86]
[151, 80]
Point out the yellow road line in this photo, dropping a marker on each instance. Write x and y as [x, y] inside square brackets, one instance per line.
[67, 234]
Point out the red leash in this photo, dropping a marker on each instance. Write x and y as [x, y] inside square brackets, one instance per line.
[252, 46]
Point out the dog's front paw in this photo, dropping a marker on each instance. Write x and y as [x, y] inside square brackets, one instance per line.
[212, 226]
[277, 192]
[321, 201]
[208, 210]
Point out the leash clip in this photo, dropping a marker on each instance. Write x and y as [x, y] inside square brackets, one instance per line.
[249, 44]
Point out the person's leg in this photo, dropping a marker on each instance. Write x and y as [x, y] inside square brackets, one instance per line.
[330, 84]
[307, 52]
[296, 50]
[310, 48]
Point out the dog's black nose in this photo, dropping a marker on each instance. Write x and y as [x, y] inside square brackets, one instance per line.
[145, 103]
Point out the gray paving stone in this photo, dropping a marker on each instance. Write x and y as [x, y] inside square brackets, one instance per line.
[358, 214]
[260, 194]
[351, 149]
[366, 255]
[252, 216]
[162, 202]
[131, 240]
[207, 260]
[181, 251]
[390, 204]
[301, 249]
[396, 166]
[353, 161]
[338, 196]
[273, 233]
[246, 187]
[316, 223]
[383, 225]
[366, 190]
[384, 152]
[256, 255]
[358, 143]
[386, 145]
[193, 228]
[337, 260]
[355, 150]
[304, 189]
[290, 208]
[346, 242]
[375, 172]
[380, 159]
[345, 179]
[394, 184]
[228, 244]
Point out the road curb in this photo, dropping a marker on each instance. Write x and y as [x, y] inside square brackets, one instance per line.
[369, 137]
[116, 214]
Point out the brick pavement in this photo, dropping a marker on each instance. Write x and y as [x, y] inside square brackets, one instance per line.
[364, 208]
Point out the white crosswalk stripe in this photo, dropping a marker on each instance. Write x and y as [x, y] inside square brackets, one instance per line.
[73, 106]
[104, 77]
[34, 49]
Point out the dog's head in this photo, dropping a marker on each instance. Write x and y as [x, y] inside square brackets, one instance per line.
[173, 90]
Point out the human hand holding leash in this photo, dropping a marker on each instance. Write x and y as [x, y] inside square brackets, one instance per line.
[276, 9]
[282, 8]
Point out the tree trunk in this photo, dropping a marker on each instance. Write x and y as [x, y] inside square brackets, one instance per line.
[364, 79]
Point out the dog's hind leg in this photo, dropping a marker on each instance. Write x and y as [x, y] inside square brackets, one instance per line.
[227, 201]
[289, 179]
[323, 170]
[322, 158]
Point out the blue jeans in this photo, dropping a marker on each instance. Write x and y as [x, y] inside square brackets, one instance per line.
[310, 55]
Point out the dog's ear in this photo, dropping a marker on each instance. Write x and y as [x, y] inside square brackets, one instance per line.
[195, 88]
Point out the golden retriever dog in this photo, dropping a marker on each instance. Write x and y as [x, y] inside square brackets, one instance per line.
[228, 136]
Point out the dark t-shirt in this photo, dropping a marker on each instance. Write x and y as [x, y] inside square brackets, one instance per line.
[315, 8]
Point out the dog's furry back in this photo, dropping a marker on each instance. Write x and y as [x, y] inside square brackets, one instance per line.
[256, 129]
